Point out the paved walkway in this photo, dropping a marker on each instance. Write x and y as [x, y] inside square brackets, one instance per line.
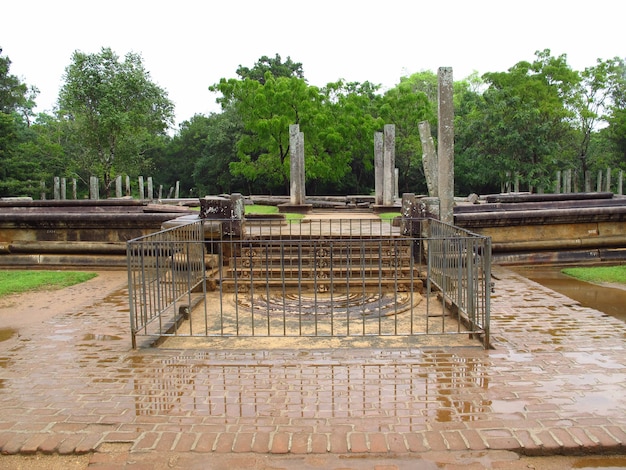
[555, 383]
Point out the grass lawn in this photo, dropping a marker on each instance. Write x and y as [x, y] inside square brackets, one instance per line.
[14, 282]
[611, 274]
[261, 209]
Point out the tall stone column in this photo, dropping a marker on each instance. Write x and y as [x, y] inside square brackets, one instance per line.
[445, 147]
[296, 157]
[379, 168]
[389, 163]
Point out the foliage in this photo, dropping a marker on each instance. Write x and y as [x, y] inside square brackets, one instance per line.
[113, 111]
[611, 274]
[273, 66]
[17, 174]
[522, 120]
[406, 106]
[12, 282]
[267, 110]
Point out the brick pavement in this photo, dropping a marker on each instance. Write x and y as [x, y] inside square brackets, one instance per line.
[553, 384]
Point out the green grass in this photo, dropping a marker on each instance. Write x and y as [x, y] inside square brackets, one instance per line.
[265, 210]
[389, 215]
[14, 282]
[612, 274]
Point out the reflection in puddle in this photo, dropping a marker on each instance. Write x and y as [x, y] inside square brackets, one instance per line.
[605, 463]
[434, 389]
[99, 337]
[609, 300]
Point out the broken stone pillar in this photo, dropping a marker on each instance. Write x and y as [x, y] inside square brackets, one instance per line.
[389, 163]
[141, 190]
[296, 160]
[446, 145]
[128, 193]
[177, 190]
[429, 158]
[379, 170]
[410, 212]
[229, 210]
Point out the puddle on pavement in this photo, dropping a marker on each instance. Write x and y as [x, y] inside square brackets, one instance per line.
[608, 300]
[100, 337]
[7, 333]
[605, 463]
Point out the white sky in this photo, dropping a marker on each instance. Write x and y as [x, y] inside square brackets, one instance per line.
[188, 45]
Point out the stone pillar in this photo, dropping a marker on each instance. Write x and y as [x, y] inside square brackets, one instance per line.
[74, 189]
[620, 179]
[429, 158]
[118, 186]
[446, 144]
[557, 189]
[160, 191]
[599, 184]
[177, 190]
[42, 186]
[63, 188]
[568, 180]
[56, 190]
[94, 188]
[389, 163]
[379, 169]
[396, 183]
[296, 160]
[128, 192]
[608, 180]
[150, 189]
[141, 190]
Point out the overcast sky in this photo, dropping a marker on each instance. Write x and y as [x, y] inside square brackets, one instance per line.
[188, 45]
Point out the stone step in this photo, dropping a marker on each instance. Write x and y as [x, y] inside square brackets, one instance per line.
[323, 285]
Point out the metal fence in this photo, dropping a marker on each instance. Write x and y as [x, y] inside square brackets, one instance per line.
[338, 278]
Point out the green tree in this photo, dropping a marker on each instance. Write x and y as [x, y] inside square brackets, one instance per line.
[523, 121]
[406, 105]
[341, 135]
[211, 172]
[274, 66]
[114, 110]
[267, 110]
[17, 174]
[616, 118]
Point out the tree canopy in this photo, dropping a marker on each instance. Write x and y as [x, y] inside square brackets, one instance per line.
[537, 117]
[114, 109]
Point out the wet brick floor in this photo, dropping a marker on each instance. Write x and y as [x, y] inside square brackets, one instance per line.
[553, 384]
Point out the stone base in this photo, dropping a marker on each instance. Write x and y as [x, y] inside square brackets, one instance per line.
[295, 208]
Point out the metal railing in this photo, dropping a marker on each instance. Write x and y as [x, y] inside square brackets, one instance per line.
[337, 278]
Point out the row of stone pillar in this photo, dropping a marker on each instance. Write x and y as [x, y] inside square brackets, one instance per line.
[146, 189]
